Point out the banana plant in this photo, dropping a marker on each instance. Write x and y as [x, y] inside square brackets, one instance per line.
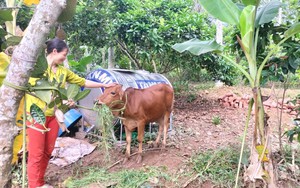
[247, 19]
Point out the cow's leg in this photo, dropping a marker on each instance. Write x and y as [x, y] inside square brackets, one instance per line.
[160, 130]
[140, 138]
[166, 127]
[128, 143]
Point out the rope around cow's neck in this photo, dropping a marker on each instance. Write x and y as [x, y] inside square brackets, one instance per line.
[121, 110]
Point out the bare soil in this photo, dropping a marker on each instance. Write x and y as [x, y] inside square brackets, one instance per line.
[193, 132]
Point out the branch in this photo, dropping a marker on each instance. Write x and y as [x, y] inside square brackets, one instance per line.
[124, 49]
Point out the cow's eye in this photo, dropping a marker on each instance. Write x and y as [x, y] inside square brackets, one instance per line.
[113, 93]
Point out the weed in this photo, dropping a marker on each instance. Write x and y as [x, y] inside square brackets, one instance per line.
[290, 166]
[204, 85]
[17, 175]
[216, 120]
[104, 119]
[145, 177]
[181, 86]
[191, 97]
[218, 166]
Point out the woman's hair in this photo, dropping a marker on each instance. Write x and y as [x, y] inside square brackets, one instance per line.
[57, 44]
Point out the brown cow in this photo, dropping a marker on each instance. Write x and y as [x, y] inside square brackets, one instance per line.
[142, 106]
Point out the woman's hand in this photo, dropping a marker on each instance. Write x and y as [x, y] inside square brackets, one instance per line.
[93, 84]
[70, 103]
[109, 85]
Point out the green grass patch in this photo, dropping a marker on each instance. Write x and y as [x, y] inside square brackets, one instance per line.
[217, 166]
[17, 178]
[290, 166]
[145, 177]
[216, 120]
[204, 85]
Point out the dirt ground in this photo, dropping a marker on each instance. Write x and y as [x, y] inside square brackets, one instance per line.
[192, 132]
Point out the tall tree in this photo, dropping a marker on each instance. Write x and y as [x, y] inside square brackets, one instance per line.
[22, 63]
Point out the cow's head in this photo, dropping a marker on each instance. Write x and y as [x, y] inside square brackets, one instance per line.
[112, 97]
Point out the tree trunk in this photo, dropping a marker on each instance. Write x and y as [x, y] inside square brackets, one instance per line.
[219, 32]
[103, 52]
[22, 63]
[111, 57]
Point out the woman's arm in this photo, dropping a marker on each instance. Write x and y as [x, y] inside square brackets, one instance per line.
[92, 84]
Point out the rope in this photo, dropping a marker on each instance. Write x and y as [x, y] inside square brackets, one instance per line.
[26, 60]
[120, 102]
[22, 88]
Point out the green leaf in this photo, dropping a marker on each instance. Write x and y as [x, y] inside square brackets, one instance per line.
[82, 94]
[70, 57]
[72, 91]
[294, 29]
[198, 47]
[249, 2]
[86, 60]
[224, 10]
[80, 68]
[14, 40]
[41, 84]
[2, 32]
[63, 93]
[267, 13]
[5, 15]
[247, 26]
[44, 95]
[40, 67]
[51, 104]
[64, 108]
[37, 114]
[73, 63]
[294, 63]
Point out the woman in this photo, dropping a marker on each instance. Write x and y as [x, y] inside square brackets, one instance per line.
[41, 145]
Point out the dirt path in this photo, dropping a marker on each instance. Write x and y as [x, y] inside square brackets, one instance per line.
[193, 131]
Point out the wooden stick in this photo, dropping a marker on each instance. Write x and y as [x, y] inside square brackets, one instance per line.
[191, 180]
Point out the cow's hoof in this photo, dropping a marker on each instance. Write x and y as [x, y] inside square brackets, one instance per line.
[150, 144]
[156, 145]
[139, 158]
[153, 145]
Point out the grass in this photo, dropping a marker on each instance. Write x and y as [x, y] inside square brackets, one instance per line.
[17, 175]
[145, 177]
[290, 162]
[204, 85]
[104, 121]
[218, 166]
[216, 120]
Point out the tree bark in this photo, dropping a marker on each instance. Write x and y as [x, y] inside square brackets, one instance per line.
[111, 58]
[22, 63]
